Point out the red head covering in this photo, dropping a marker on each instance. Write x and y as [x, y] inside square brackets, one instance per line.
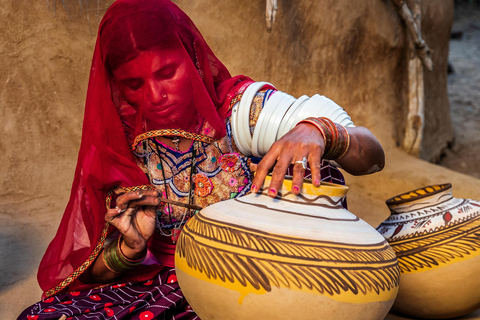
[128, 28]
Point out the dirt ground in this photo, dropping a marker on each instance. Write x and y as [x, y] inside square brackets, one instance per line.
[29, 215]
[464, 91]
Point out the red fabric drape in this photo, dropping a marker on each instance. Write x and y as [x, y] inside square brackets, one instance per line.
[110, 124]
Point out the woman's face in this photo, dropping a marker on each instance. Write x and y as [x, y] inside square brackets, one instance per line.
[157, 83]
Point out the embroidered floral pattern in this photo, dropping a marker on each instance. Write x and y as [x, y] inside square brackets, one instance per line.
[230, 162]
[203, 185]
[232, 182]
[236, 179]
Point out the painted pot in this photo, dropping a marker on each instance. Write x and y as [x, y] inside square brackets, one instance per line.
[436, 238]
[292, 257]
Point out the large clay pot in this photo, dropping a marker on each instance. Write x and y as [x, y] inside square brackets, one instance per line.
[437, 241]
[293, 257]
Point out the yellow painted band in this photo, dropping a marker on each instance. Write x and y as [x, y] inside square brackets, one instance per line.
[244, 291]
[472, 254]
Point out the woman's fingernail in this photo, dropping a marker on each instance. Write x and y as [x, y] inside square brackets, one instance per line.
[295, 189]
[316, 182]
[272, 191]
[254, 188]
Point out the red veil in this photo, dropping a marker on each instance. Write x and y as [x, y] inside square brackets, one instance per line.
[110, 127]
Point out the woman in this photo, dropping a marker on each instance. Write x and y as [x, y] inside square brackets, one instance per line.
[155, 148]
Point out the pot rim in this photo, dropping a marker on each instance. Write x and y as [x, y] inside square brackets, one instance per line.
[417, 194]
[325, 188]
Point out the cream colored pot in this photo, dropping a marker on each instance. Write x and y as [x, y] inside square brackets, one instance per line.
[437, 241]
[292, 257]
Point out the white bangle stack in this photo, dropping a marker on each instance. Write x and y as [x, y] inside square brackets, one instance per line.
[240, 119]
[280, 114]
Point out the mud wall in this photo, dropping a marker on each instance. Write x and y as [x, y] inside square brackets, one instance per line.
[354, 52]
[45, 53]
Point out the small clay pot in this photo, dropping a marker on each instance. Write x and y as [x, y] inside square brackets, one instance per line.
[436, 238]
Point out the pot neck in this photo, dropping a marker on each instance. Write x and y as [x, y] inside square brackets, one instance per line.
[420, 198]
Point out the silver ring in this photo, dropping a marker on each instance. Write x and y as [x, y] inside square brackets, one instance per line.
[121, 210]
[303, 162]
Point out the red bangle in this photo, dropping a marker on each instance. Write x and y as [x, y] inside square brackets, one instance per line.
[313, 123]
[336, 137]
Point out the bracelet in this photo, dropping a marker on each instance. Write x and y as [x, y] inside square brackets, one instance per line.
[336, 137]
[116, 261]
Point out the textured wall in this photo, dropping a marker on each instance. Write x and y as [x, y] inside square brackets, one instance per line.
[45, 55]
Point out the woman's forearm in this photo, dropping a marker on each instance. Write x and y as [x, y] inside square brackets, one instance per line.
[365, 154]
[98, 272]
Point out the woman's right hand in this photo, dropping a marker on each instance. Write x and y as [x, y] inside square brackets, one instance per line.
[137, 222]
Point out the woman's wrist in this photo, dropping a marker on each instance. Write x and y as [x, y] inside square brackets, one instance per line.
[132, 253]
[335, 136]
[117, 261]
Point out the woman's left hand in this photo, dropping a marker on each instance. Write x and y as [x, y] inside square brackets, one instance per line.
[302, 141]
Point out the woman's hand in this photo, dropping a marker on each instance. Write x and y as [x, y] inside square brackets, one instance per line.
[364, 156]
[302, 141]
[137, 222]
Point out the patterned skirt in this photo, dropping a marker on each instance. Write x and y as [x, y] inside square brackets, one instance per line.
[159, 298]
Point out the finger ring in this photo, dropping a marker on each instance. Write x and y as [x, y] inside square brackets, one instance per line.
[121, 210]
[303, 162]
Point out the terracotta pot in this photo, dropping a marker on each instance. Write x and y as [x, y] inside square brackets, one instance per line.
[436, 238]
[293, 257]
